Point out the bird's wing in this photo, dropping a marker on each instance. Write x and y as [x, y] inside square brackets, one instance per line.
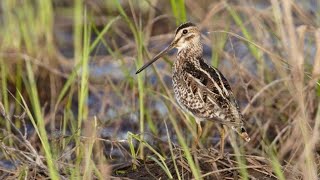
[214, 90]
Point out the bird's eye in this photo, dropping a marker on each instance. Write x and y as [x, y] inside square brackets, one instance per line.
[243, 130]
[185, 31]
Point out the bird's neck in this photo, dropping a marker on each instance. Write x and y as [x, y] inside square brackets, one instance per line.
[188, 55]
[192, 50]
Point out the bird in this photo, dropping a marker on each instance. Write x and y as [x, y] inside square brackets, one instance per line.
[200, 89]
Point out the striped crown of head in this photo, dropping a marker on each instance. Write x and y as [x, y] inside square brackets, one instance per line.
[185, 25]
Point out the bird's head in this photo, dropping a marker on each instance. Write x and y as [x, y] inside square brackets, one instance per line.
[187, 37]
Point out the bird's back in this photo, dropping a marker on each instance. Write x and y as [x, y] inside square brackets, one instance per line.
[203, 91]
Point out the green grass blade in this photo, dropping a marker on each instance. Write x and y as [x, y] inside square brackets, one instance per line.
[164, 168]
[40, 125]
[179, 11]
[256, 53]
[195, 170]
[132, 150]
[173, 156]
[4, 93]
[162, 159]
[237, 19]
[138, 36]
[276, 164]
[84, 77]
[239, 157]
[217, 48]
[102, 33]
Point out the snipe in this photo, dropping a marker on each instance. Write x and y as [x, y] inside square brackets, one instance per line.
[199, 88]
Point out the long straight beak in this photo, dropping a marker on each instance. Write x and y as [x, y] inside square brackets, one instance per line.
[156, 58]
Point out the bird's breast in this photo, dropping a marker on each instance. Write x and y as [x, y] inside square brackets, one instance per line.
[188, 100]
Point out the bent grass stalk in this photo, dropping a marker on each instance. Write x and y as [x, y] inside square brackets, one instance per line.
[195, 170]
[139, 62]
[275, 163]
[38, 121]
[239, 157]
[173, 156]
[254, 50]
[163, 165]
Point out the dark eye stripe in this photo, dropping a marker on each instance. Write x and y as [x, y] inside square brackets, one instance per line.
[189, 37]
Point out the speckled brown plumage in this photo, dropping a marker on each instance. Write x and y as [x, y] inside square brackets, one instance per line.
[199, 88]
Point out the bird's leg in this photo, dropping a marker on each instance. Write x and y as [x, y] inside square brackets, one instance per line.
[222, 135]
[199, 133]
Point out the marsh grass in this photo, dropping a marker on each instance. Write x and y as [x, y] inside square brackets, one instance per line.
[179, 11]
[55, 113]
